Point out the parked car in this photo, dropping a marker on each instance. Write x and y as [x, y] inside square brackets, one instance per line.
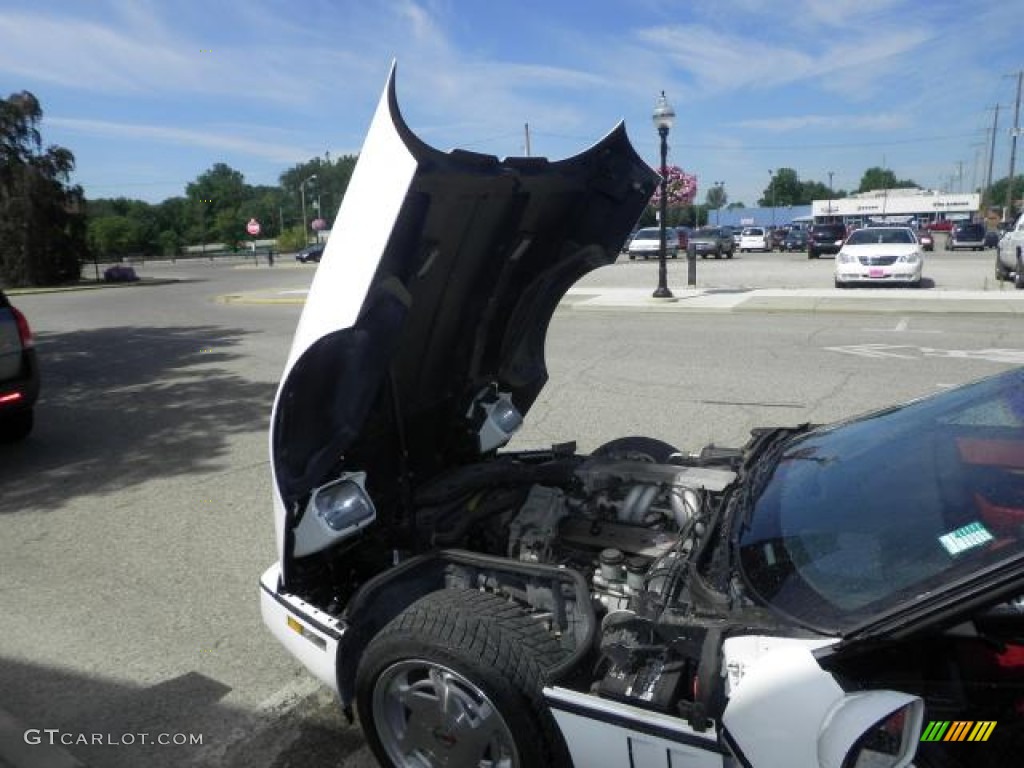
[796, 240]
[734, 233]
[683, 236]
[812, 598]
[311, 254]
[992, 238]
[940, 225]
[777, 236]
[713, 241]
[19, 373]
[1010, 255]
[825, 238]
[646, 243]
[880, 255]
[969, 235]
[754, 239]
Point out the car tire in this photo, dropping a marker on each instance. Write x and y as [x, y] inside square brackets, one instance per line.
[452, 663]
[637, 449]
[1018, 279]
[728, 255]
[632, 257]
[17, 426]
[811, 255]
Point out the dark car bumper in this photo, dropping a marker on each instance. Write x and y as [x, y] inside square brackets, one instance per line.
[21, 393]
[830, 248]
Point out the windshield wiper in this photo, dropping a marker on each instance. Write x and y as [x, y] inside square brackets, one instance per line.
[765, 452]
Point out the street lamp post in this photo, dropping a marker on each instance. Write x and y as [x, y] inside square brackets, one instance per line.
[830, 194]
[302, 193]
[771, 183]
[663, 117]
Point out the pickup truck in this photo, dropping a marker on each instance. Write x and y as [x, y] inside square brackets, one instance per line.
[1010, 255]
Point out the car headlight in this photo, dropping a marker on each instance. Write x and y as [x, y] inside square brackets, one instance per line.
[334, 512]
[845, 258]
[909, 258]
[494, 418]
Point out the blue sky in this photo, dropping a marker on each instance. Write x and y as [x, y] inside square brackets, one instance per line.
[149, 94]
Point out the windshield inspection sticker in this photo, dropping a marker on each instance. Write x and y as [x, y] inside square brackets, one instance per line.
[970, 536]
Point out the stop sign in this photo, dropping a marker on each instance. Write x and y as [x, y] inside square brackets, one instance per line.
[253, 227]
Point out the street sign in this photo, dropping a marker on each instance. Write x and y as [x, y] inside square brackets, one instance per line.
[253, 227]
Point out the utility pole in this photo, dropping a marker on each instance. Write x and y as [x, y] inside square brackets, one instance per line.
[1013, 148]
[991, 156]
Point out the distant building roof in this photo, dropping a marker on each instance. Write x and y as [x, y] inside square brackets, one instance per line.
[762, 217]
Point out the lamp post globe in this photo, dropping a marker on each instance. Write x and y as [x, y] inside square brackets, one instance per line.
[663, 118]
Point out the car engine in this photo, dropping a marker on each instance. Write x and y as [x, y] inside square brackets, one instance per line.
[619, 523]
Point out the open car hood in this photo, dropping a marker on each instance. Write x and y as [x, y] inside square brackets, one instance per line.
[438, 282]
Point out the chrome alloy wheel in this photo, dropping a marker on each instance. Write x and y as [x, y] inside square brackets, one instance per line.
[428, 715]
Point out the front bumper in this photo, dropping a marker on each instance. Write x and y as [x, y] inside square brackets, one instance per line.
[309, 634]
[855, 273]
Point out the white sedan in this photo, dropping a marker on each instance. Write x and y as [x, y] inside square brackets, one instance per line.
[880, 255]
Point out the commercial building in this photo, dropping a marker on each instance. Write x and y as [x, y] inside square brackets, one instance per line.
[921, 206]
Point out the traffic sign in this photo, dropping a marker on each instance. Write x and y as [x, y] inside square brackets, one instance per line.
[253, 227]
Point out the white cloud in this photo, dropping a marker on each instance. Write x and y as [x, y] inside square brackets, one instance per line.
[878, 122]
[283, 153]
[142, 57]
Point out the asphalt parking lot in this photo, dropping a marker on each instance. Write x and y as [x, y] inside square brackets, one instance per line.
[137, 516]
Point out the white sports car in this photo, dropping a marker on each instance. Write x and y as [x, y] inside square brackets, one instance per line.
[822, 596]
[880, 255]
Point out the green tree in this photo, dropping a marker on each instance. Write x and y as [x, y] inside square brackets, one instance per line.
[882, 178]
[716, 197]
[783, 189]
[997, 194]
[43, 237]
[327, 188]
[113, 236]
[217, 197]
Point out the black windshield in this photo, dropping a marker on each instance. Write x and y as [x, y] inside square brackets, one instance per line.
[859, 518]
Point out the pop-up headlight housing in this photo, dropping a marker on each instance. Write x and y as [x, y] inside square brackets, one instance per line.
[494, 417]
[335, 512]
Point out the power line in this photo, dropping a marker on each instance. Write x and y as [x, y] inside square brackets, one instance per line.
[748, 147]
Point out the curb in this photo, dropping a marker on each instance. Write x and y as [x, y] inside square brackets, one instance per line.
[144, 282]
[711, 300]
[15, 753]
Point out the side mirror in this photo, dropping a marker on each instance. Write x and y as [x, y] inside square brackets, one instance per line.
[879, 729]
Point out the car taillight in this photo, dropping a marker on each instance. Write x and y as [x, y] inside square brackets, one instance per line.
[24, 331]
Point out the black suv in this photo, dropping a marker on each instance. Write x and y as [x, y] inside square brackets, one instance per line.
[970, 236]
[19, 373]
[825, 238]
